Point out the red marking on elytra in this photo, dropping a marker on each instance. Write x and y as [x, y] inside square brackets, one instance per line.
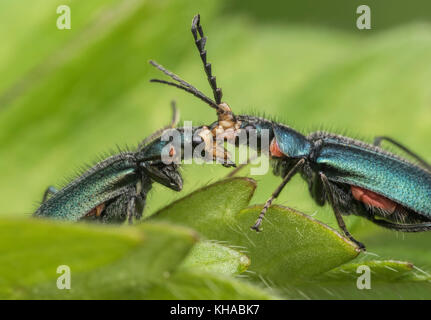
[96, 211]
[373, 199]
[274, 149]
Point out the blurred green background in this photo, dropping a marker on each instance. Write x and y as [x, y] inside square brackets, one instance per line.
[67, 96]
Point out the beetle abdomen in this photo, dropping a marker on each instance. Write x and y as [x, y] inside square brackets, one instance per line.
[379, 172]
[373, 199]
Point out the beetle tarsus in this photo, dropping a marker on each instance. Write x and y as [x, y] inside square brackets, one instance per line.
[256, 226]
[360, 245]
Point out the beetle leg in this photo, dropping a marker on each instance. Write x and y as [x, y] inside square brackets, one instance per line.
[49, 191]
[131, 209]
[276, 193]
[340, 221]
[378, 142]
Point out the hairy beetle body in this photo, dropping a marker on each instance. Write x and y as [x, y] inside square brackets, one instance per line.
[102, 184]
[115, 189]
[354, 177]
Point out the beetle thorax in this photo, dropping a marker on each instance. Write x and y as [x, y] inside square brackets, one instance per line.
[227, 124]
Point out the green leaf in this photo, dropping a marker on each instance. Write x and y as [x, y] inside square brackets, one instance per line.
[213, 257]
[292, 246]
[387, 279]
[105, 262]
[31, 250]
[386, 244]
[200, 285]
[211, 207]
[381, 270]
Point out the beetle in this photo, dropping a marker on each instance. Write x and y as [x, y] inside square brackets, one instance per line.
[353, 176]
[115, 189]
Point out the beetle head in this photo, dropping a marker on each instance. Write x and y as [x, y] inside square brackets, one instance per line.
[164, 174]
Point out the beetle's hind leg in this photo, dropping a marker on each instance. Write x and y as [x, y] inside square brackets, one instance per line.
[337, 212]
[51, 190]
[378, 142]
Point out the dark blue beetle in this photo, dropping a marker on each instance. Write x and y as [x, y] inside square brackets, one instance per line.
[354, 177]
[115, 189]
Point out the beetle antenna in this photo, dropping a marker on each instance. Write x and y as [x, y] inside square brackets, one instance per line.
[224, 112]
[182, 85]
[193, 92]
[175, 114]
[200, 41]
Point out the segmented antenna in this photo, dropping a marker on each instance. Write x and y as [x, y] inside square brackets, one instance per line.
[175, 114]
[182, 84]
[200, 41]
[174, 122]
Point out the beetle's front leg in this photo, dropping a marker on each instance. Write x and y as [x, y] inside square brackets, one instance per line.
[131, 209]
[137, 200]
[276, 193]
[128, 205]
